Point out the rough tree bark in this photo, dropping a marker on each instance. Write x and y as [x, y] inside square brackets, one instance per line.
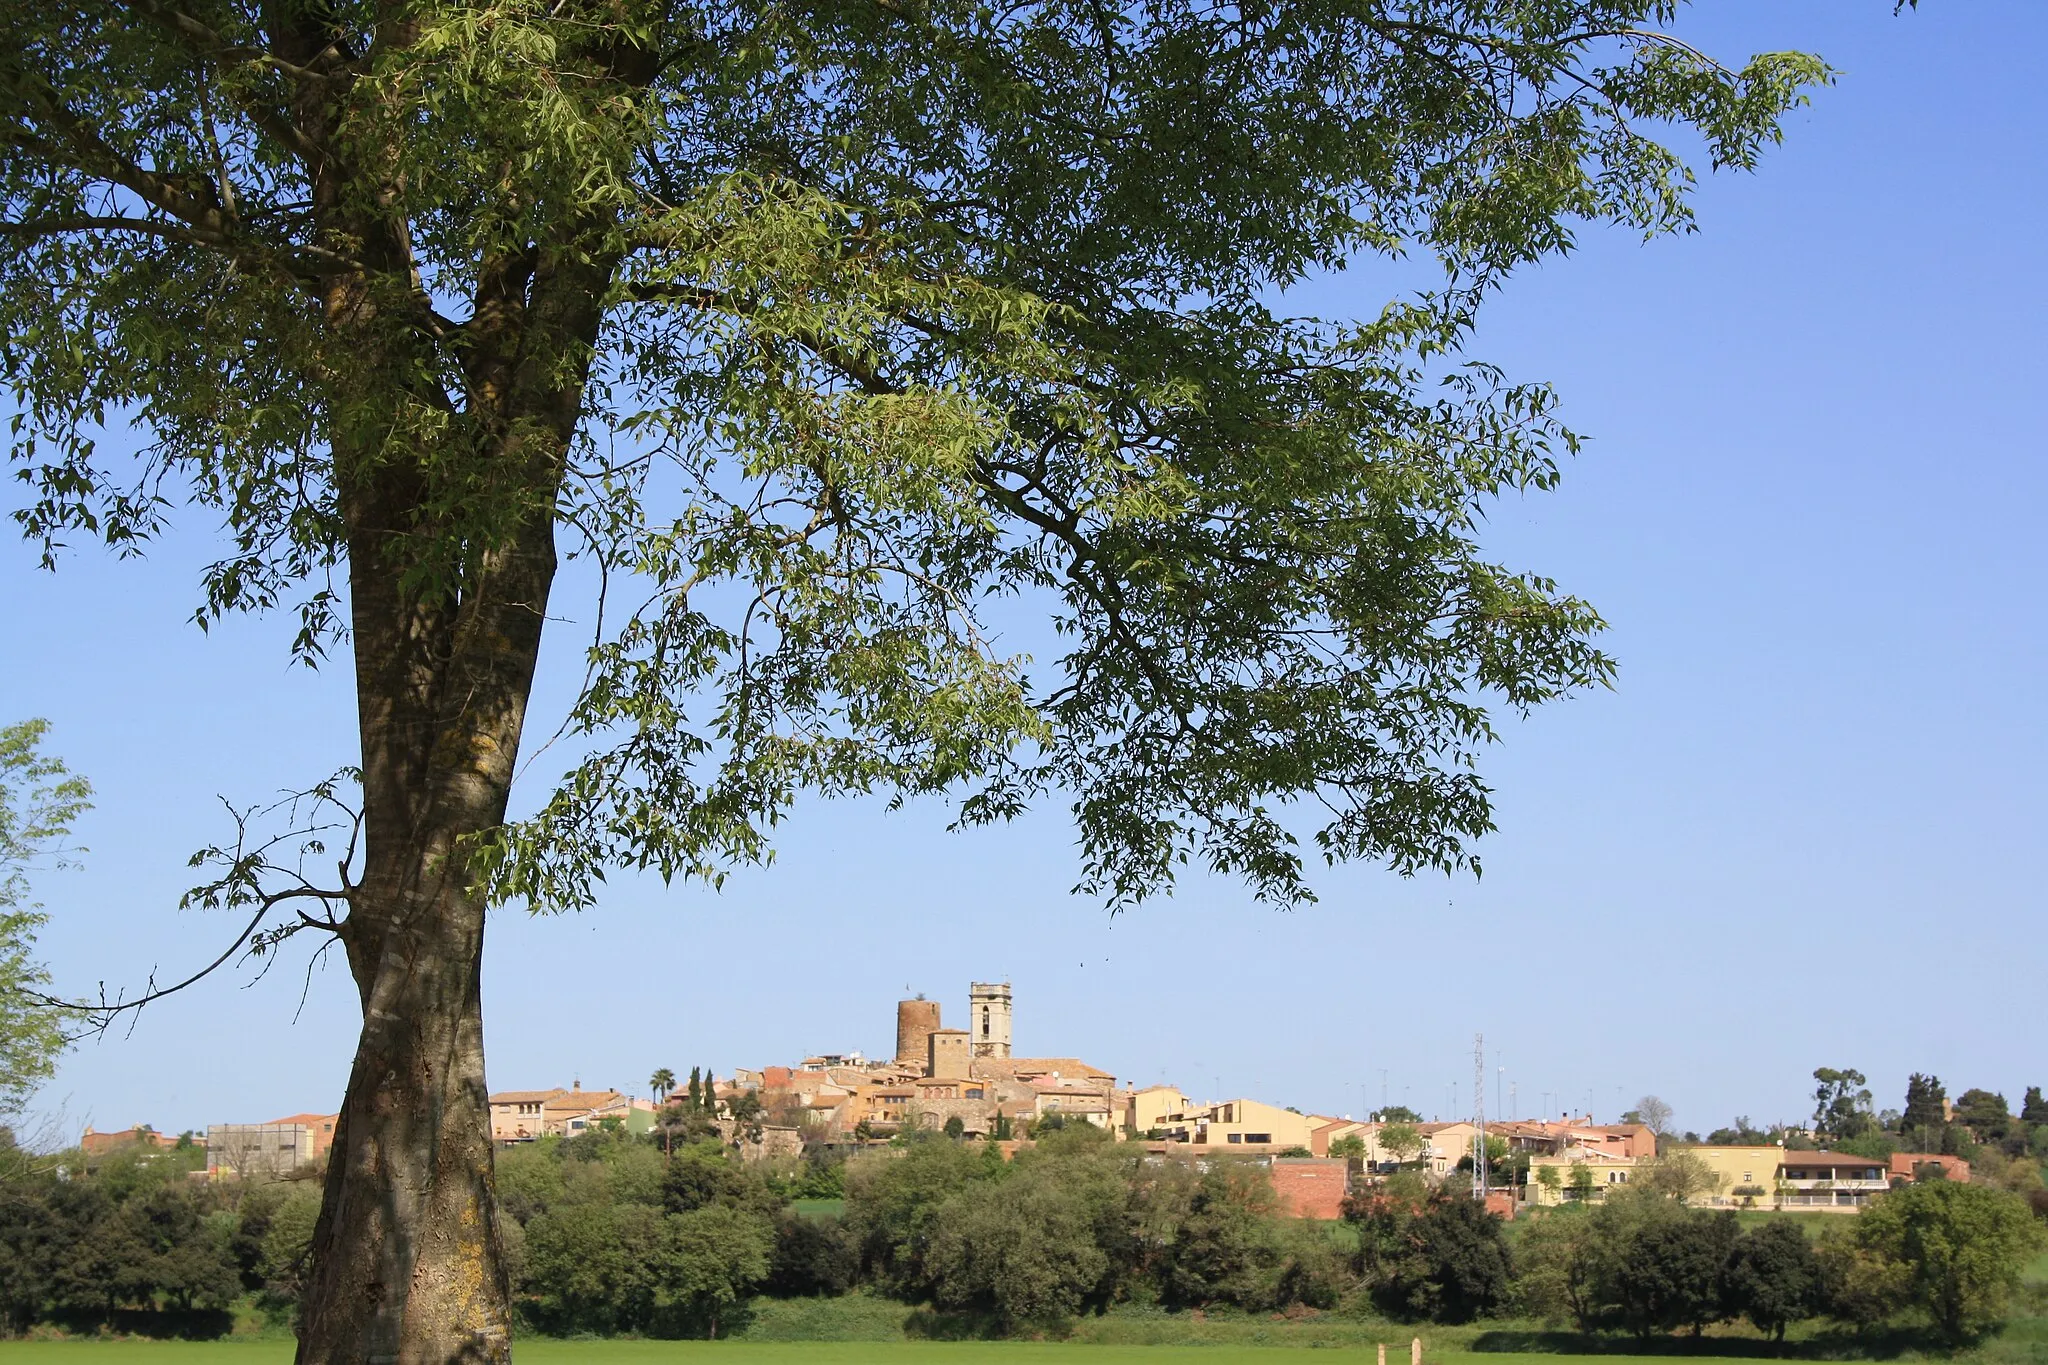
[406, 1254]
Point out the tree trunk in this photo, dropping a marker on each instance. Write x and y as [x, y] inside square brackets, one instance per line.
[446, 609]
[406, 1256]
[406, 1259]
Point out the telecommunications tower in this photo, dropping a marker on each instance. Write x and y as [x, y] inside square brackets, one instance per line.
[1479, 1117]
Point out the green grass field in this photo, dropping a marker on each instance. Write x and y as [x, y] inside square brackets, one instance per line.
[764, 1353]
[859, 1330]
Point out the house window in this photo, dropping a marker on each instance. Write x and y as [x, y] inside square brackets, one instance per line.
[1746, 1178]
[1258, 1137]
[1236, 1137]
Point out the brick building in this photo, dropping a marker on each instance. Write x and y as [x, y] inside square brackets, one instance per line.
[1312, 1187]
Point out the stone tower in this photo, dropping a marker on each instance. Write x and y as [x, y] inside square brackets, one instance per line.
[948, 1059]
[988, 1017]
[916, 1021]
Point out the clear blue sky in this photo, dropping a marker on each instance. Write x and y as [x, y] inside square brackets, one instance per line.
[1804, 830]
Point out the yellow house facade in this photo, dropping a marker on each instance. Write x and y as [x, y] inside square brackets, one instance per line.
[1148, 1108]
[1239, 1123]
[1581, 1175]
[1740, 1173]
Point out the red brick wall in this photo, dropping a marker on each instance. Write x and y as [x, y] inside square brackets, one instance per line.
[1311, 1188]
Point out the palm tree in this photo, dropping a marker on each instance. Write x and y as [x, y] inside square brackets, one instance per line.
[661, 1082]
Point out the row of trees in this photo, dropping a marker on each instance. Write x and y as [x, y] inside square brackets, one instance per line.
[670, 1235]
[137, 1244]
[1941, 1253]
[1844, 1114]
[609, 1233]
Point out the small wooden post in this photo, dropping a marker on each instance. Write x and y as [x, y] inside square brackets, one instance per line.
[1383, 1353]
[1415, 1352]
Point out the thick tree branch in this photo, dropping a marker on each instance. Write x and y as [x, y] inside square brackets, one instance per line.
[205, 43]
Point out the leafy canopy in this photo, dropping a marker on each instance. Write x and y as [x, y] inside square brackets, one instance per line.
[1956, 1251]
[40, 801]
[825, 332]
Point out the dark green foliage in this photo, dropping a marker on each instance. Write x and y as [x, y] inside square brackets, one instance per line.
[893, 1203]
[171, 1251]
[29, 1233]
[1450, 1263]
[821, 1175]
[631, 1268]
[702, 1175]
[1842, 1105]
[1220, 1249]
[1774, 1277]
[156, 1257]
[1673, 1274]
[2034, 1109]
[1872, 1143]
[1741, 1133]
[1077, 1223]
[1954, 1251]
[811, 1257]
[1024, 1250]
[614, 1236]
[1925, 1110]
[1985, 1114]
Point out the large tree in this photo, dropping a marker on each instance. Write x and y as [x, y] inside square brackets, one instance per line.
[1957, 1250]
[835, 337]
[1841, 1104]
[1926, 1108]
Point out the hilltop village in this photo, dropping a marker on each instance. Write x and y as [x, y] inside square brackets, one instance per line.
[969, 1083]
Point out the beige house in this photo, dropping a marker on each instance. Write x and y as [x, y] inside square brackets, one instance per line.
[527, 1115]
[1146, 1109]
[1445, 1145]
[1738, 1177]
[1829, 1180]
[1740, 1173]
[1583, 1174]
[1552, 1137]
[1328, 1130]
[1081, 1100]
[1240, 1123]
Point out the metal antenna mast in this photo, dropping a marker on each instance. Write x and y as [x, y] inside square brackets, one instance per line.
[1479, 1117]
